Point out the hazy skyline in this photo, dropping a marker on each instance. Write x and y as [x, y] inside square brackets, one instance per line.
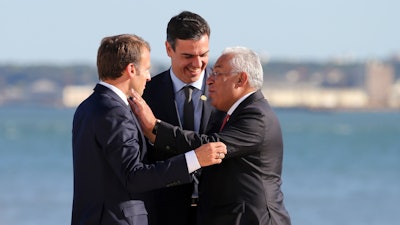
[69, 32]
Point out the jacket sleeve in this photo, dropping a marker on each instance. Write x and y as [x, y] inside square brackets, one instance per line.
[124, 149]
[242, 135]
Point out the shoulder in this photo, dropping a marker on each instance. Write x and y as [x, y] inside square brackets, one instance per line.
[158, 80]
[161, 77]
[157, 85]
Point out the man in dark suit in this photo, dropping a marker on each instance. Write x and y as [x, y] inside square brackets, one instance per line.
[245, 189]
[187, 45]
[111, 170]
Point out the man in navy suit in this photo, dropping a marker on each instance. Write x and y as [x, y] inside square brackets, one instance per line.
[245, 189]
[112, 175]
[187, 45]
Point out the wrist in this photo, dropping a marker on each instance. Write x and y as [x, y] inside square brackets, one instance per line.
[155, 128]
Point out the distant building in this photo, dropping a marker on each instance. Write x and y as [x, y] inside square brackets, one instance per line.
[379, 79]
[394, 100]
[317, 98]
[74, 95]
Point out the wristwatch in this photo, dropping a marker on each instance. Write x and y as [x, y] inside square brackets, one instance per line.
[155, 128]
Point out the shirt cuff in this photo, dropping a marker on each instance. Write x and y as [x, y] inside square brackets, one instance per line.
[192, 161]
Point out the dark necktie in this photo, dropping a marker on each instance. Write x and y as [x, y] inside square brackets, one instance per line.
[188, 111]
[188, 124]
[224, 122]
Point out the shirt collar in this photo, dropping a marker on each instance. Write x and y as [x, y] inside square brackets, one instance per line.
[236, 104]
[178, 84]
[116, 91]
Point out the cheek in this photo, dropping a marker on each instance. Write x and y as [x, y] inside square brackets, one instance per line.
[218, 97]
[214, 102]
[219, 102]
[178, 60]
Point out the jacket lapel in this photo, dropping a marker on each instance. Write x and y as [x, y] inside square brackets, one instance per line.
[168, 101]
[207, 108]
[256, 96]
[105, 90]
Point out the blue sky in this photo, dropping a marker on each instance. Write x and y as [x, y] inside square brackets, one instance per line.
[69, 32]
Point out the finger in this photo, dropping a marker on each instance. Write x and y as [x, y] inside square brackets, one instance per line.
[218, 144]
[137, 97]
[224, 150]
[221, 147]
[135, 102]
[131, 102]
[132, 91]
[133, 105]
[219, 155]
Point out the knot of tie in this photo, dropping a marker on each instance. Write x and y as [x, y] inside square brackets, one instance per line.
[188, 93]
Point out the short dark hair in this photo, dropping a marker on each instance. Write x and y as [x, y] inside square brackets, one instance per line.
[186, 26]
[116, 52]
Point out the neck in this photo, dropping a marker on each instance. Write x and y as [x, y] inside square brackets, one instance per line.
[123, 86]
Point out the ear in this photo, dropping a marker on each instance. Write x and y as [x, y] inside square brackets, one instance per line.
[130, 69]
[168, 48]
[242, 79]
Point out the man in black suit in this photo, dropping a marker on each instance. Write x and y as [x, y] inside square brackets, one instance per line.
[111, 170]
[245, 189]
[187, 45]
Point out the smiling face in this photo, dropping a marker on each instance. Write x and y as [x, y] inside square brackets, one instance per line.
[189, 59]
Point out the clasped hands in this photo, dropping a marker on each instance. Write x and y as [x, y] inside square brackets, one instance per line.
[207, 154]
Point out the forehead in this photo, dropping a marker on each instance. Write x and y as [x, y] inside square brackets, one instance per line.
[193, 46]
[223, 62]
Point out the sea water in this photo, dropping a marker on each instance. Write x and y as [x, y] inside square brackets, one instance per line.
[340, 168]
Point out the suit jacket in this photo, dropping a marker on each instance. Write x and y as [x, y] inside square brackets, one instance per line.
[171, 206]
[245, 188]
[111, 176]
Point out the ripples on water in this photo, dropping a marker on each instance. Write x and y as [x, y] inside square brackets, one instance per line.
[339, 168]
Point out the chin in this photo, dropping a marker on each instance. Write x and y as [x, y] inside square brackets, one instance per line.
[139, 91]
[214, 104]
[193, 76]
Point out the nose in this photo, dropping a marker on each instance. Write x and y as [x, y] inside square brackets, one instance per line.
[148, 78]
[210, 79]
[197, 61]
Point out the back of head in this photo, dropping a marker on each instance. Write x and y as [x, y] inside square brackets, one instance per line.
[186, 26]
[116, 52]
[245, 60]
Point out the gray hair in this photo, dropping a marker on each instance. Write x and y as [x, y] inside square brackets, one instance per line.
[246, 60]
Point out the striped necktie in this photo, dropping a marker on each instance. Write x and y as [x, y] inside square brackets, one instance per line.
[224, 122]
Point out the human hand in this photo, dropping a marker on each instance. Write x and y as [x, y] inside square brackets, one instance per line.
[210, 153]
[143, 113]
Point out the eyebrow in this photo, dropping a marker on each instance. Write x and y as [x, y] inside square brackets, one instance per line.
[187, 54]
[217, 66]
